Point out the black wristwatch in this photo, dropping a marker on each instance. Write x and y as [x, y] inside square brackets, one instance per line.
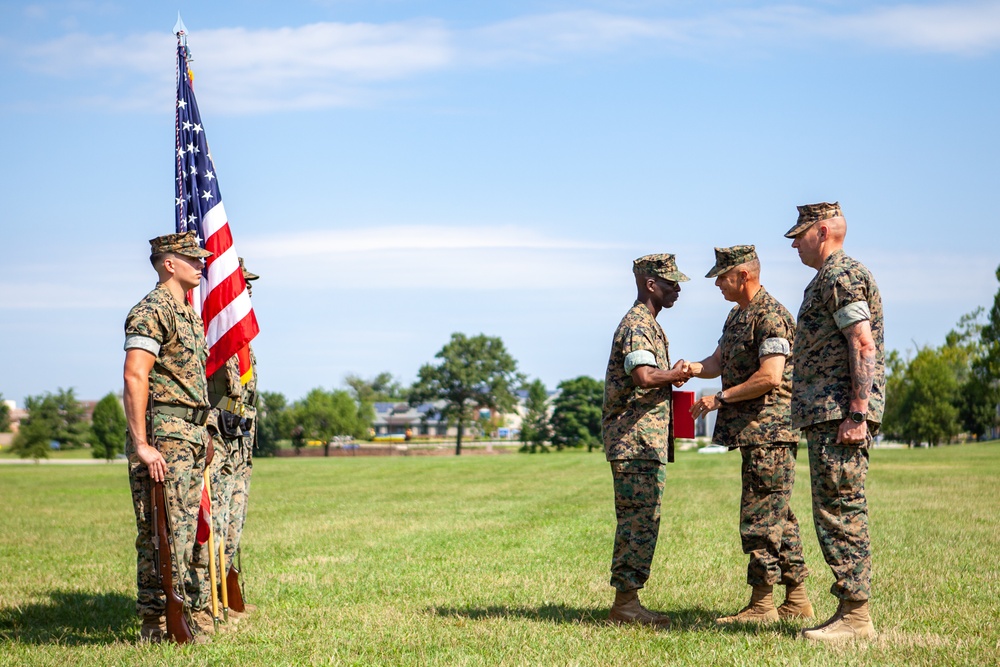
[857, 417]
[721, 400]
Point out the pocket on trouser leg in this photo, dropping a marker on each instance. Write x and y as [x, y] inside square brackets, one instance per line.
[770, 469]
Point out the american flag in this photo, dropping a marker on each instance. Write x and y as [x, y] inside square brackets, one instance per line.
[221, 299]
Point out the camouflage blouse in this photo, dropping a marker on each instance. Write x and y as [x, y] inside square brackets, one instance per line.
[636, 421]
[764, 327]
[226, 382]
[174, 333]
[842, 293]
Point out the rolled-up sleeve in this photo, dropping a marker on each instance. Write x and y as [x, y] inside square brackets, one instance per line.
[136, 342]
[774, 346]
[639, 358]
[852, 313]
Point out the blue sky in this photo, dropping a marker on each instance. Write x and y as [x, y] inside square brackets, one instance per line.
[399, 170]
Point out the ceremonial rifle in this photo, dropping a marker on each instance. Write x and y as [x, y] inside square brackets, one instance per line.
[234, 587]
[177, 625]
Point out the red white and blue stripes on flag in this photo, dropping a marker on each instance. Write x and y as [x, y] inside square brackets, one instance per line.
[222, 299]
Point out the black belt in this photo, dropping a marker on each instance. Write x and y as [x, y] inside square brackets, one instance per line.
[196, 416]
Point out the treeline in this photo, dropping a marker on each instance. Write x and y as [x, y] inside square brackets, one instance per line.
[939, 394]
[935, 396]
[471, 374]
[60, 421]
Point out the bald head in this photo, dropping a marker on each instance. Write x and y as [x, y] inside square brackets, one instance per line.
[820, 240]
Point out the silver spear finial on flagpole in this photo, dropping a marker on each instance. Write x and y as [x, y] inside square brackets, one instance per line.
[180, 30]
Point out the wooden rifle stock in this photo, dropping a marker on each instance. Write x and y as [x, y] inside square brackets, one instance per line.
[177, 625]
[234, 590]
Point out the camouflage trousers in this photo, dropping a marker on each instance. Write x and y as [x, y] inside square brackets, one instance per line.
[221, 476]
[242, 472]
[769, 530]
[840, 509]
[638, 492]
[182, 488]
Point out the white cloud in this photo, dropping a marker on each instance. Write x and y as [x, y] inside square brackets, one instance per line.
[427, 257]
[313, 66]
[546, 36]
[339, 64]
[963, 29]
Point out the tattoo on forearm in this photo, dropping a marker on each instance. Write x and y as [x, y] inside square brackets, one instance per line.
[862, 369]
[864, 375]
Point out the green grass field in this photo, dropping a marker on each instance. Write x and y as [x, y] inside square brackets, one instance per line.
[499, 560]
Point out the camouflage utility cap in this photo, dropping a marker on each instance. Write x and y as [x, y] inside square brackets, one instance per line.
[180, 244]
[810, 214]
[246, 274]
[662, 265]
[730, 258]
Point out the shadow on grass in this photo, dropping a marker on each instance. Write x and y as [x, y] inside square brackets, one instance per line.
[683, 619]
[786, 628]
[71, 618]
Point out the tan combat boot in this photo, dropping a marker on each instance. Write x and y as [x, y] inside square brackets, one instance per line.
[796, 604]
[153, 629]
[627, 609]
[760, 609]
[851, 621]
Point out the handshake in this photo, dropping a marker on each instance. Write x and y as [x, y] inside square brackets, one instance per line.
[684, 371]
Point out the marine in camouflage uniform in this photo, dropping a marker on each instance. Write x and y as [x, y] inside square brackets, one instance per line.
[233, 408]
[637, 431]
[165, 382]
[754, 360]
[242, 458]
[221, 470]
[243, 466]
[838, 399]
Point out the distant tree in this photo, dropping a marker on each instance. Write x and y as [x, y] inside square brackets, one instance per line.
[473, 373]
[274, 422]
[964, 350]
[382, 387]
[986, 371]
[893, 419]
[325, 414]
[929, 399]
[51, 418]
[576, 414]
[978, 407]
[108, 425]
[34, 436]
[4, 416]
[535, 427]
